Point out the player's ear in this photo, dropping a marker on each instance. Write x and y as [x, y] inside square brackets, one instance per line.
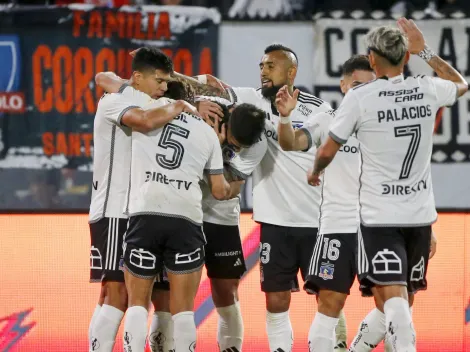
[372, 60]
[137, 77]
[342, 85]
[407, 57]
[291, 73]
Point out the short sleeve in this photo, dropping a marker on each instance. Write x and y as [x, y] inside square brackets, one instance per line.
[243, 164]
[115, 106]
[215, 164]
[346, 120]
[316, 128]
[446, 91]
[243, 95]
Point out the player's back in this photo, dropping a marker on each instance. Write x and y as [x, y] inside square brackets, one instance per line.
[395, 130]
[167, 166]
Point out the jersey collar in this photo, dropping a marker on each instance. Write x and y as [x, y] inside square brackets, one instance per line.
[397, 79]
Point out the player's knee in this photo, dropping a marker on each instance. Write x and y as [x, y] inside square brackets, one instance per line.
[331, 303]
[116, 295]
[278, 302]
[161, 300]
[224, 292]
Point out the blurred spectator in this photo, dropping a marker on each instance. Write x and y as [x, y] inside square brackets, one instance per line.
[448, 6]
[42, 194]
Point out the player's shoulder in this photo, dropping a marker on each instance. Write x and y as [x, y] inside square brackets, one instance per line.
[421, 80]
[242, 94]
[310, 99]
[367, 86]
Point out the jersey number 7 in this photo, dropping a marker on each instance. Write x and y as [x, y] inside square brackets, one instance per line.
[413, 131]
[168, 142]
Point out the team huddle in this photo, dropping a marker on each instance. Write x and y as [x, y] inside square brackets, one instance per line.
[338, 195]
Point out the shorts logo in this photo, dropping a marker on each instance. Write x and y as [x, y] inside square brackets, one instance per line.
[386, 262]
[264, 250]
[142, 259]
[326, 271]
[188, 258]
[96, 261]
[417, 272]
[238, 262]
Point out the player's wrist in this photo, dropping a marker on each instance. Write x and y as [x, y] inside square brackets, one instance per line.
[427, 53]
[284, 120]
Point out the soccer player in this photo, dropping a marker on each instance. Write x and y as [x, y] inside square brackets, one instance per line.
[283, 204]
[116, 115]
[393, 119]
[165, 227]
[332, 268]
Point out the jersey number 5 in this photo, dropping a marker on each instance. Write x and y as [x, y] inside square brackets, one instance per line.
[413, 131]
[168, 142]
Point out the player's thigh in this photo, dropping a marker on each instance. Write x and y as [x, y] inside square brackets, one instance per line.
[332, 263]
[107, 236]
[381, 257]
[418, 242]
[224, 252]
[143, 255]
[278, 259]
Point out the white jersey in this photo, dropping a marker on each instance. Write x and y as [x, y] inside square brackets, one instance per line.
[242, 164]
[112, 152]
[281, 194]
[340, 181]
[167, 166]
[394, 121]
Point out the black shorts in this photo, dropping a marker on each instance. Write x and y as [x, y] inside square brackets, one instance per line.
[393, 256]
[107, 237]
[224, 253]
[283, 252]
[154, 242]
[333, 264]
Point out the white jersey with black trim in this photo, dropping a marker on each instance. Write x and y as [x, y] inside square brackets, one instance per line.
[281, 194]
[112, 152]
[339, 212]
[394, 122]
[167, 166]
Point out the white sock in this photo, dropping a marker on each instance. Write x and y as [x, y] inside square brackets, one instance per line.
[322, 335]
[400, 330]
[161, 332]
[135, 329]
[184, 332]
[280, 334]
[105, 328]
[371, 332]
[90, 328]
[341, 334]
[230, 328]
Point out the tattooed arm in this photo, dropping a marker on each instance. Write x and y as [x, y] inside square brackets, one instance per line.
[199, 88]
[447, 72]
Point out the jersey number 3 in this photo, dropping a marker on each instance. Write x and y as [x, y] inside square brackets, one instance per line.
[167, 141]
[413, 131]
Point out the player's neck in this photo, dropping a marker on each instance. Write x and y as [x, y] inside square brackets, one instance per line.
[389, 72]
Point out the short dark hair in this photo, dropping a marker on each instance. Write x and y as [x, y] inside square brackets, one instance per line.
[150, 58]
[356, 62]
[247, 124]
[277, 47]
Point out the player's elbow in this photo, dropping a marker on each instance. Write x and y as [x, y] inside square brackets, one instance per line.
[462, 88]
[286, 145]
[221, 189]
[99, 78]
[324, 153]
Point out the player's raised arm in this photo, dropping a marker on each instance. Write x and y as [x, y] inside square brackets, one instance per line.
[417, 46]
[110, 82]
[200, 88]
[148, 120]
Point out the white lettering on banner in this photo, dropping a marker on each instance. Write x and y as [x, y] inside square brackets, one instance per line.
[336, 40]
[12, 102]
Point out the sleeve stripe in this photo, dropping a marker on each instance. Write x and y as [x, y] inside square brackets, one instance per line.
[124, 86]
[308, 96]
[232, 94]
[309, 138]
[310, 102]
[124, 111]
[337, 139]
[237, 172]
[214, 171]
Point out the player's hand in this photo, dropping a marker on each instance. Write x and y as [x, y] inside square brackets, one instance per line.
[416, 42]
[132, 53]
[433, 248]
[285, 102]
[219, 129]
[209, 111]
[313, 178]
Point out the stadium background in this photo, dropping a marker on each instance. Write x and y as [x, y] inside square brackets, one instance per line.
[47, 100]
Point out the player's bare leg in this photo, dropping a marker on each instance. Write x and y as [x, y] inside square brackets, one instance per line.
[135, 324]
[183, 291]
[161, 328]
[322, 334]
[230, 325]
[278, 325]
[400, 334]
[106, 325]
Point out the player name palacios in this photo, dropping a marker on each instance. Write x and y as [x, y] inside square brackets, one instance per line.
[161, 178]
[400, 190]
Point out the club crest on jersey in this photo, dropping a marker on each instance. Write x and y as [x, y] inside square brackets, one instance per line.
[304, 110]
[228, 153]
[326, 271]
[297, 124]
